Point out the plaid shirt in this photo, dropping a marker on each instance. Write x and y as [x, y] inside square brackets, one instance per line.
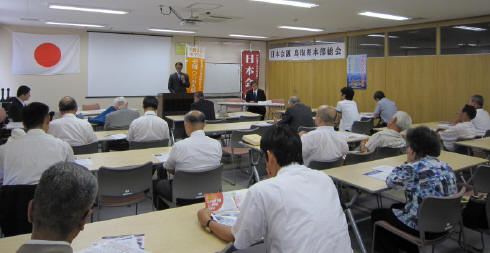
[427, 177]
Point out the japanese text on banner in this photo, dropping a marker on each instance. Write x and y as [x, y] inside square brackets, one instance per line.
[249, 69]
[315, 52]
[195, 68]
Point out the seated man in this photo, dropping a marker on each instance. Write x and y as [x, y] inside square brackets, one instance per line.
[255, 95]
[60, 209]
[148, 127]
[18, 103]
[297, 115]
[347, 109]
[26, 157]
[191, 154]
[122, 117]
[385, 108]
[75, 131]
[390, 137]
[462, 128]
[296, 210]
[482, 119]
[203, 105]
[323, 144]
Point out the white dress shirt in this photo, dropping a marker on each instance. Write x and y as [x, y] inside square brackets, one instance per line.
[75, 131]
[463, 130]
[194, 153]
[349, 111]
[25, 158]
[148, 127]
[481, 122]
[323, 144]
[296, 211]
[386, 138]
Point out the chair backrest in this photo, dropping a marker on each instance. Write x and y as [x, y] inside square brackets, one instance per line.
[481, 183]
[233, 108]
[232, 119]
[14, 200]
[86, 149]
[306, 129]
[384, 152]
[250, 118]
[440, 214]
[363, 126]
[317, 165]
[125, 181]
[215, 121]
[148, 144]
[353, 158]
[87, 107]
[192, 185]
[255, 248]
[487, 134]
[464, 150]
[236, 136]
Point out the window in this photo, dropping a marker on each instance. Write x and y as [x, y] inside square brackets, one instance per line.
[412, 42]
[368, 44]
[300, 43]
[321, 41]
[465, 39]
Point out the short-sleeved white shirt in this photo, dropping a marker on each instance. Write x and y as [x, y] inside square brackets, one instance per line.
[481, 122]
[349, 111]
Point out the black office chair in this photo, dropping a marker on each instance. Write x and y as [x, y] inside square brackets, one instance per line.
[317, 165]
[356, 157]
[384, 152]
[14, 201]
[363, 126]
[148, 144]
[86, 149]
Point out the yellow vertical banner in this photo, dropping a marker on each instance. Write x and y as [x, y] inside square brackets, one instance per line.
[194, 63]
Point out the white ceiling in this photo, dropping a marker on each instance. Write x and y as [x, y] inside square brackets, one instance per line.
[252, 18]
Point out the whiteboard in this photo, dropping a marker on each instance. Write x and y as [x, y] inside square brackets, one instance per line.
[127, 64]
[221, 77]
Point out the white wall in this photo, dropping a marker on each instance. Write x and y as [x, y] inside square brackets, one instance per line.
[49, 89]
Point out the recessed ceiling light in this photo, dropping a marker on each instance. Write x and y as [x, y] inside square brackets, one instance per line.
[169, 30]
[288, 2]
[382, 15]
[470, 28]
[371, 45]
[408, 47]
[72, 24]
[248, 36]
[88, 9]
[382, 36]
[300, 28]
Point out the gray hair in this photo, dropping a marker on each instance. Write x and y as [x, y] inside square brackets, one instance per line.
[403, 120]
[65, 193]
[195, 117]
[326, 114]
[293, 100]
[120, 101]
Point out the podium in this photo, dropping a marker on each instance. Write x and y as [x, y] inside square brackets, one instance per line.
[174, 104]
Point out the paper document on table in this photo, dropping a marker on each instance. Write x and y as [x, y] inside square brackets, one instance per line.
[253, 139]
[117, 136]
[262, 124]
[225, 206]
[117, 244]
[348, 135]
[162, 157]
[85, 162]
[380, 172]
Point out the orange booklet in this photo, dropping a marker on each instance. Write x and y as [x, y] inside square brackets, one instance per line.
[225, 206]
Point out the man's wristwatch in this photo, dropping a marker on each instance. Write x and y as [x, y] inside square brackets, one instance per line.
[207, 225]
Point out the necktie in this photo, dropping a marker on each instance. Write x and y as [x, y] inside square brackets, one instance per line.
[255, 95]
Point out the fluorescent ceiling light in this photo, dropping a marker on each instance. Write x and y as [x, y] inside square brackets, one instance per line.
[408, 47]
[326, 42]
[371, 45]
[382, 36]
[469, 44]
[382, 15]
[289, 2]
[300, 28]
[247, 36]
[470, 28]
[73, 24]
[76, 8]
[169, 30]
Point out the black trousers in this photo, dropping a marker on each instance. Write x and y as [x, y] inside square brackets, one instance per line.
[386, 241]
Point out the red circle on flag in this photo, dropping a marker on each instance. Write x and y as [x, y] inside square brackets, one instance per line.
[47, 54]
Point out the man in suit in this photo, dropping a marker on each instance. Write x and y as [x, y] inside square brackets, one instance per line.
[254, 95]
[178, 81]
[122, 117]
[297, 115]
[203, 105]
[56, 213]
[18, 103]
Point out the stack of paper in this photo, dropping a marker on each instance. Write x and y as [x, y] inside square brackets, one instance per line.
[117, 136]
[225, 206]
[85, 162]
[118, 244]
[380, 172]
[253, 139]
[162, 157]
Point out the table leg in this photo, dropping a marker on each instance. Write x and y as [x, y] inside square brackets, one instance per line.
[353, 224]
[173, 132]
[254, 174]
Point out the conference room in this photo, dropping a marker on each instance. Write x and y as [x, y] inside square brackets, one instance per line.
[359, 126]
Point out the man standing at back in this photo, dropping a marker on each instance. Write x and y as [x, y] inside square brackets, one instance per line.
[18, 103]
[122, 117]
[75, 131]
[25, 158]
[385, 108]
[255, 95]
[482, 119]
[60, 209]
[296, 210]
[297, 115]
[178, 81]
[203, 105]
[148, 127]
[347, 111]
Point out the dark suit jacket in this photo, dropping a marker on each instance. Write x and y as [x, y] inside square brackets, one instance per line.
[206, 107]
[249, 96]
[175, 85]
[296, 116]
[15, 110]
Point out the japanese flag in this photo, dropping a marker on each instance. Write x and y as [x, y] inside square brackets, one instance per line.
[44, 54]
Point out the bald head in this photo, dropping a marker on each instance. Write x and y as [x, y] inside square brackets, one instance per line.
[67, 105]
[193, 121]
[325, 115]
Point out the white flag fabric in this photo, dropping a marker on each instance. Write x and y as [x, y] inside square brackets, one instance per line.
[45, 54]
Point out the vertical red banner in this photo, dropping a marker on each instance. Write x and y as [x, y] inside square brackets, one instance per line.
[249, 69]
